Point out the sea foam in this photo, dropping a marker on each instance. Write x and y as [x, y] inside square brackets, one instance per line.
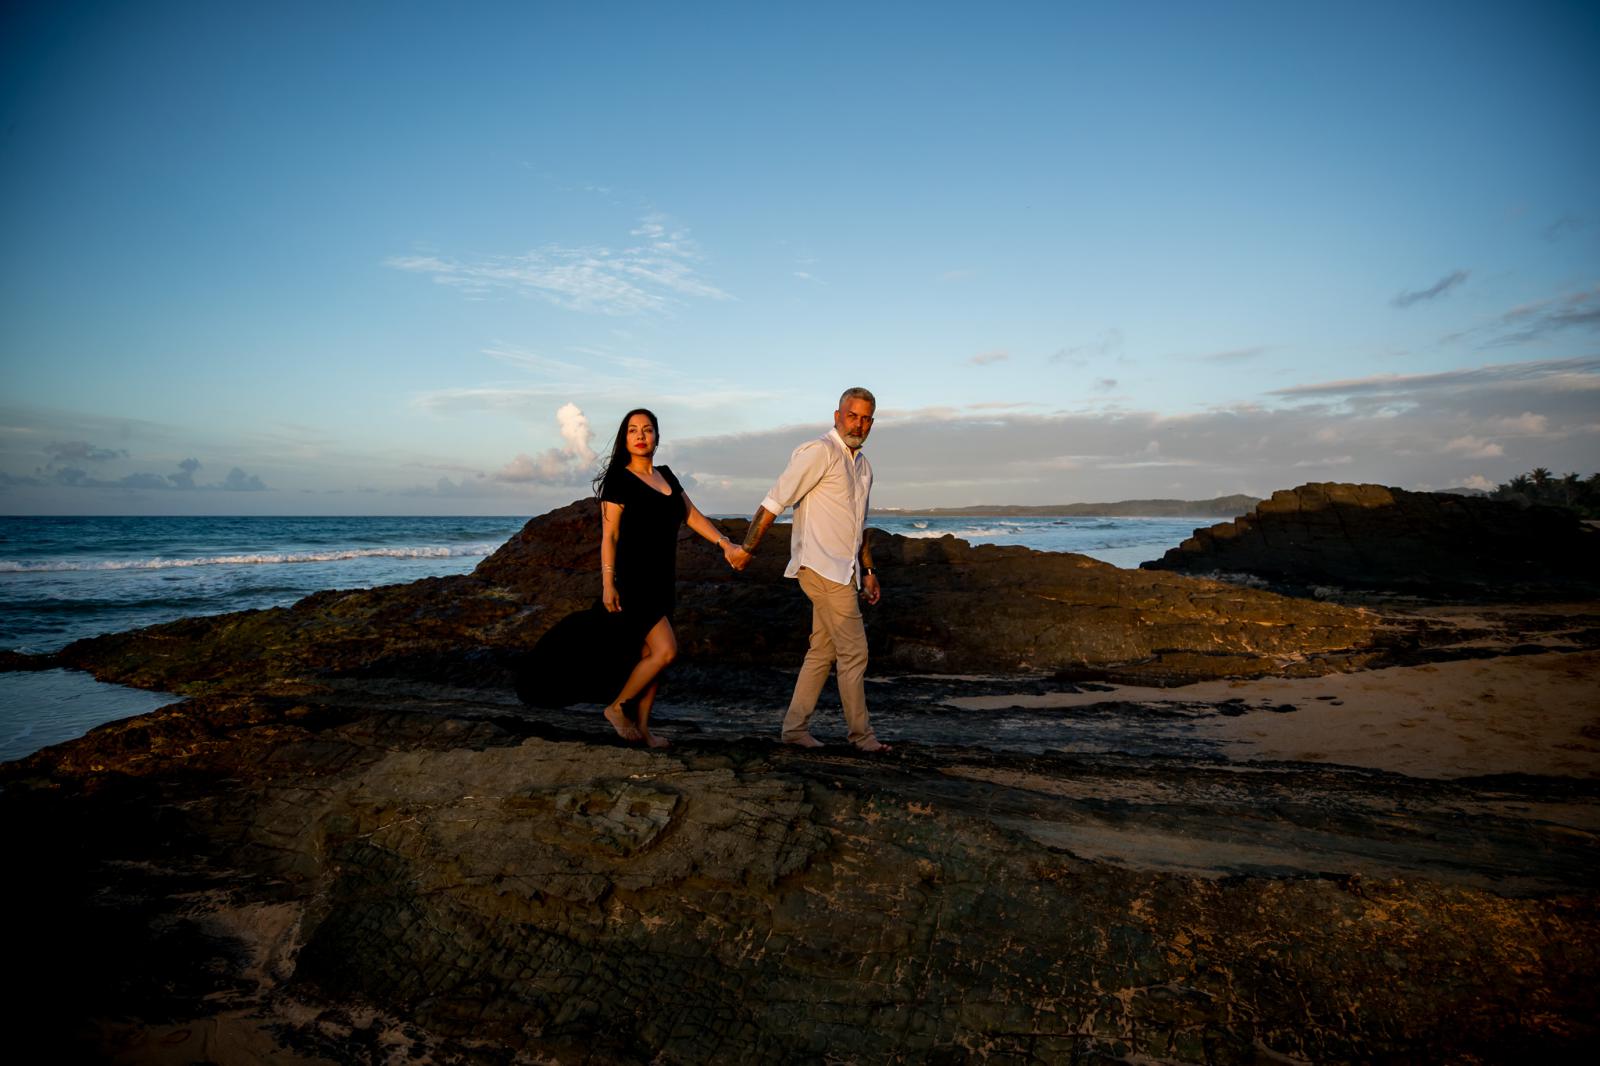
[43, 566]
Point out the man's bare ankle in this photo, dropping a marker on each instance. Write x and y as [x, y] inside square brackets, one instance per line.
[804, 740]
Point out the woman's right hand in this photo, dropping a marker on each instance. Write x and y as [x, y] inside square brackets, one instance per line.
[610, 598]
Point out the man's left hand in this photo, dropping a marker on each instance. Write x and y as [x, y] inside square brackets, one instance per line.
[870, 589]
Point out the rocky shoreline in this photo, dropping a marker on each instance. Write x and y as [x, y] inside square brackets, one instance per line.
[350, 843]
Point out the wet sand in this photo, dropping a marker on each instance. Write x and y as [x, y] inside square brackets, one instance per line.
[1513, 714]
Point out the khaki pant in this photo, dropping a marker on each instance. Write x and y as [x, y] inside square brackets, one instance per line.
[837, 635]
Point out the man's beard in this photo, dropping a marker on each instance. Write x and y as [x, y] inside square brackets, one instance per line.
[852, 440]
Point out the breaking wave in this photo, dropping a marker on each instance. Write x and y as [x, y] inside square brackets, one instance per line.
[26, 566]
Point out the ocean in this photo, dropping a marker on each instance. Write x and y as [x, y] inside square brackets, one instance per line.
[63, 579]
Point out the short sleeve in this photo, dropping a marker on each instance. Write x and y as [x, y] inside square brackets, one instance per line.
[613, 489]
[677, 488]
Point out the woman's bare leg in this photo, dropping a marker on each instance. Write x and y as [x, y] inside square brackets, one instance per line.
[647, 700]
[660, 648]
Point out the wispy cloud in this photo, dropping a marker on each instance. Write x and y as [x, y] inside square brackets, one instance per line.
[1234, 355]
[1434, 291]
[521, 357]
[1109, 343]
[646, 277]
[82, 452]
[987, 358]
[183, 480]
[511, 398]
[1581, 371]
[1577, 310]
[1563, 226]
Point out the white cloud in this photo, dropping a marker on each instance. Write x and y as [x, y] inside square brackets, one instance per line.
[549, 467]
[1406, 432]
[1527, 423]
[575, 431]
[1474, 448]
[567, 465]
[985, 358]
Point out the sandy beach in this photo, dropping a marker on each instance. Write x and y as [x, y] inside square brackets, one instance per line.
[1520, 714]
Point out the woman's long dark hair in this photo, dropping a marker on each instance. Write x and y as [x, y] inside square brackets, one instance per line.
[619, 448]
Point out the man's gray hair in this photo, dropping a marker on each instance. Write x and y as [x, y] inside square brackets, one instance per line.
[858, 393]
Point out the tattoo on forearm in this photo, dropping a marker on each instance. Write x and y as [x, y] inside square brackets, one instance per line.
[759, 522]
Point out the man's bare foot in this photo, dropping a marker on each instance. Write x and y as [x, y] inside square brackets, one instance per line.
[619, 721]
[874, 746]
[657, 742]
[805, 740]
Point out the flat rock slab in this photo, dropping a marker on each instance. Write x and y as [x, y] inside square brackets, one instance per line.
[339, 872]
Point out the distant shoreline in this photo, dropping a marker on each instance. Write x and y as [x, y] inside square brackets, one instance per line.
[1221, 507]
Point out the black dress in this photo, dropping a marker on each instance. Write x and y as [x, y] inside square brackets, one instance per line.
[586, 657]
[647, 546]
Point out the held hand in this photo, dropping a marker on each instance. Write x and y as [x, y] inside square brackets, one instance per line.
[870, 589]
[737, 557]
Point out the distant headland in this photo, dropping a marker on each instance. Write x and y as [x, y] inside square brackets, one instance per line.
[1227, 506]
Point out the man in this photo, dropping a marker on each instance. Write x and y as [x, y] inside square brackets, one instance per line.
[828, 482]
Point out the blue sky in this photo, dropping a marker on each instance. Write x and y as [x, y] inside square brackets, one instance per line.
[418, 258]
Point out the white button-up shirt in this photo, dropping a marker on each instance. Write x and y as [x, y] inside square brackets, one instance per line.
[829, 490]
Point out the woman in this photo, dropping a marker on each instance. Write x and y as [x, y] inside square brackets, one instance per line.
[641, 507]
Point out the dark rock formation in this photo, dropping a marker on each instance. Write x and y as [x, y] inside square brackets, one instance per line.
[1428, 543]
[947, 607]
[368, 877]
[352, 844]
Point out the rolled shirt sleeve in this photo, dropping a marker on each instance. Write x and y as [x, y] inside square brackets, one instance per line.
[829, 488]
[806, 466]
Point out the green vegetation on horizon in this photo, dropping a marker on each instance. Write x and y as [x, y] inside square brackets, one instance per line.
[1540, 486]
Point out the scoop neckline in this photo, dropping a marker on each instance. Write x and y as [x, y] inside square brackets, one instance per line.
[649, 486]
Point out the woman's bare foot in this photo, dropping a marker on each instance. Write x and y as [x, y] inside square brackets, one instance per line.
[657, 742]
[619, 721]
